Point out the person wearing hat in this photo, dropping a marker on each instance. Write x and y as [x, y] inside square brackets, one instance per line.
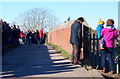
[99, 28]
[109, 34]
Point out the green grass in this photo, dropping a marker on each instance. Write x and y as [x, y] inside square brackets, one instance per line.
[60, 50]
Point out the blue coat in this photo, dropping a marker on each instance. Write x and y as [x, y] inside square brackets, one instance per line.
[99, 28]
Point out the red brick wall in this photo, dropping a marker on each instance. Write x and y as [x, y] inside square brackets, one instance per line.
[61, 36]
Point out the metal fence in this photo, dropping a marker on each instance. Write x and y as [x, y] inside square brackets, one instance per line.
[95, 55]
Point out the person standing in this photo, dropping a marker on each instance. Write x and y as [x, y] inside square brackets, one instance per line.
[44, 38]
[17, 34]
[28, 37]
[109, 34]
[22, 37]
[36, 36]
[41, 35]
[76, 39]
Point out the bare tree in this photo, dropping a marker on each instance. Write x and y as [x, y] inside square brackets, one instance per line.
[13, 22]
[37, 18]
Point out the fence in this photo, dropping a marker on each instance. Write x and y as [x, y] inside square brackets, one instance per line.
[95, 55]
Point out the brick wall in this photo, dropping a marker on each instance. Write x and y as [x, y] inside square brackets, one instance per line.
[60, 36]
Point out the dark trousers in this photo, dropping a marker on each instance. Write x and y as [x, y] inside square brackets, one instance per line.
[75, 53]
[41, 40]
[108, 52]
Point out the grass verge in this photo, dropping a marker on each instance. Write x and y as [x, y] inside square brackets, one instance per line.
[60, 50]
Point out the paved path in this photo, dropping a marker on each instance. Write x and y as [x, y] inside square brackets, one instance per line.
[39, 61]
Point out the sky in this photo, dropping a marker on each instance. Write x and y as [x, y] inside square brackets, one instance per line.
[91, 11]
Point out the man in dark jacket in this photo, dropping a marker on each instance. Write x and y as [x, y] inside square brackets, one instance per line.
[76, 39]
[36, 37]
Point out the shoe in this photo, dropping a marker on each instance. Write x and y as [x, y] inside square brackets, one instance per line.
[71, 62]
[112, 72]
[104, 70]
[79, 61]
[76, 63]
[101, 48]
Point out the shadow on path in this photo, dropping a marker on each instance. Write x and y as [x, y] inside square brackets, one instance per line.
[29, 60]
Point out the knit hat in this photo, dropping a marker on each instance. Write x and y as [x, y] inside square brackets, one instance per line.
[100, 22]
[110, 22]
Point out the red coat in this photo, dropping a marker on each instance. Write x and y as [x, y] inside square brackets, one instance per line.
[41, 33]
[22, 35]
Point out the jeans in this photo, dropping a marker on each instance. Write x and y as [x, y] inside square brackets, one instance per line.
[102, 41]
[108, 52]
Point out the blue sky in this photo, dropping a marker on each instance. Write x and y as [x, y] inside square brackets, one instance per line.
[91, 11]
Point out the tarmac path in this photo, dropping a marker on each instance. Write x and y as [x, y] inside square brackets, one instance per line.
[39, 61]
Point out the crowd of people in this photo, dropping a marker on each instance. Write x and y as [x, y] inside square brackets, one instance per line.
[32, 37]
[14, 35]
[10, 34]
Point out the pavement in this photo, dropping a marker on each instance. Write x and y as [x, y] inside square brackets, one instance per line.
[29, 61]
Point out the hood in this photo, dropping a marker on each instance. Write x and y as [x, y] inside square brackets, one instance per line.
[110, 28]
[101, 25]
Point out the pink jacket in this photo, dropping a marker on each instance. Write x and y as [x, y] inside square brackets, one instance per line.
[109, 35]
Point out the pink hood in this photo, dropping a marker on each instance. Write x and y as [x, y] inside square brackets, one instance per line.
[109, 34]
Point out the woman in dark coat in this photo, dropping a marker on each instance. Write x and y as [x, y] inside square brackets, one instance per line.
[76, 39]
